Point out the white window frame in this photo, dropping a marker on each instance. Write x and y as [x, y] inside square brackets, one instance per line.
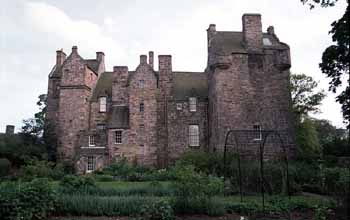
[257, 132]
[192, 102]
[103, 104]
[193, 135]
[90, 165]
[92, 140]
[121, 136]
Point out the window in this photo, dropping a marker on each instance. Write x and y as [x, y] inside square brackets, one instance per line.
[193, 104]
[257, 132]
[90, 164]
[101, 126]
[118, 137]
[91, 141]
[103, 104]
[179, 106]
[193, 135]
[142, 84]
[142, 107]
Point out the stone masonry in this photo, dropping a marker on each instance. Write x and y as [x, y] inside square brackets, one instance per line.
[151, 117]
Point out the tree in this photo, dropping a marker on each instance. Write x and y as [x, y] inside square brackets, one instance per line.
[305, 99]
[35, 126]
[335, 59]
[323, 3]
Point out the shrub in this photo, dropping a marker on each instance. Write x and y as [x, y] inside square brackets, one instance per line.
[5, 166]
[101, 206]
[194, 191]
[26, 201]
[336, 181]
[70, 183]
[41, 169]
[103, 178]
[159, 210]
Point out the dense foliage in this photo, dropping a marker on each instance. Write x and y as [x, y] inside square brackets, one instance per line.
[26, 201]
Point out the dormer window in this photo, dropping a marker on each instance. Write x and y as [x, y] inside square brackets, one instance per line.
[193, 104]
[92, 141]
[103, 104]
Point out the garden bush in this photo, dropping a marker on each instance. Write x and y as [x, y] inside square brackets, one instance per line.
[26, 201]
[5, 166]
[194, 191]
[102, 206]
[71, 183]
[159, 210]
[41, 169]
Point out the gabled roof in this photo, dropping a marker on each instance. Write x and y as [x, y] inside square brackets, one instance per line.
[103, 86]
[187, 84]
[93, 64]
[119, 117]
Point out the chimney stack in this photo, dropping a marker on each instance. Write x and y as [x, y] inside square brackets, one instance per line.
[151, 58]
[143, 59]
[10, 129]
[211, 31]
[100, 57]
[74, 49]
[60, 57]
[252, 32]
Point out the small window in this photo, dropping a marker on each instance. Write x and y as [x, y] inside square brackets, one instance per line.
[142, 107]
[91, 141]
[142, 84]
[179, 106]
[193, 104]
[90, 164]
[118, 137]
[193, 133]
[103, 104]
[101, 126]
[257, 132]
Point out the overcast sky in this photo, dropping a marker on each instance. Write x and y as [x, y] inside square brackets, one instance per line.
[32, 31]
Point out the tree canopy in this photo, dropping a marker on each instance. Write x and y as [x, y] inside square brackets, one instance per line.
[305, 99]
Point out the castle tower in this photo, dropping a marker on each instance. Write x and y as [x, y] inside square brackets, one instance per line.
[248, 81]
[77, 81]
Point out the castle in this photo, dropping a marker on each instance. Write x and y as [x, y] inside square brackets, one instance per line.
[151, 117]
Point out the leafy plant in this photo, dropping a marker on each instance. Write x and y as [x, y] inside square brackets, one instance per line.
[159, 210]
[26, 201]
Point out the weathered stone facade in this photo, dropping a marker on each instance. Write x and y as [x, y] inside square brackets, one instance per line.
[151, 117]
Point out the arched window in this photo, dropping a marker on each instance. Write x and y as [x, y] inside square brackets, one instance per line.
[103, 104]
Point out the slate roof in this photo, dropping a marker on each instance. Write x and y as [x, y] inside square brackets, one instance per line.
[92, 64]
[188, 84]
[119, 117]
[227, 42]
[103, 86]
